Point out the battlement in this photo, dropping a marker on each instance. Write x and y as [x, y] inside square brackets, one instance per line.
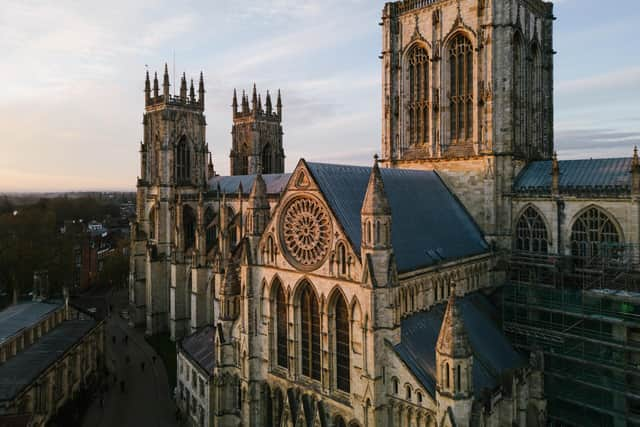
[255, 110]
[153, 97]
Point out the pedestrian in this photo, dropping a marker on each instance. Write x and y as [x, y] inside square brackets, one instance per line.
[113, 339]
[122, 386]
[127, 359]
[154, 359]
[142, 366]
[102, 401]
[126, 339]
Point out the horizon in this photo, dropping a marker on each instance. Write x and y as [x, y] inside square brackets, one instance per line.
[71, 118]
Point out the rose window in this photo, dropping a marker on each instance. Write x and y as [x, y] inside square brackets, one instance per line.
[305, 231]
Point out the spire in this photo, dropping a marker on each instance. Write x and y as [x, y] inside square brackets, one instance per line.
[279, 105]
[183, 87]
[165, 83]
[234, 104]
[635, 173]
[375, 200]
[257, 207]
[555, 174]
[254, 99]
[259, 104]
[156, 90]
[635, 163]
[453, 340]
[268, 104]
[147, 89]
[201, 91]
[192, 92]
[245, 103]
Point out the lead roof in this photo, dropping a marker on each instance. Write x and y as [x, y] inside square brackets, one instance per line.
[199, 348]
[429, 224]
[229, 184]
[17, 317]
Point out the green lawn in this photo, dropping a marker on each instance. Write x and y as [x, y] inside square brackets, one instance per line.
[167, 351]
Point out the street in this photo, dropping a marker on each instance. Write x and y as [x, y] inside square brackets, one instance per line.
[146, 399]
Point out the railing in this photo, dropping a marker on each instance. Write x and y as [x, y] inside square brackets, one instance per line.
[408, 5]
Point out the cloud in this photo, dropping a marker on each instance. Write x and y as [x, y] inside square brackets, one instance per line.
[581, 143]
[625, 79]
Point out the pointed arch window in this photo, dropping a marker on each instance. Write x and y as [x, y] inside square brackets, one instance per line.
[310, 334]
[183, 161]
[280, 311]
[152, 223]
[460, 88]
[343, 378]
[593, 236]
[418, 107]
[519, 95]
[244, 160]
[342, 259]
[531, 232]
[535, 105]
[267, 160]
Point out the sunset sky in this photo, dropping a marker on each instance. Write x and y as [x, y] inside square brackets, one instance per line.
[73, 75]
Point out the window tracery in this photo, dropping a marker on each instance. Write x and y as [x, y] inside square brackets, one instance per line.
[310, 333]
[282, 354]
[531, 232]
[418, 107]
[183, 161]
[460, 88]
[343, 378]
[593, 235]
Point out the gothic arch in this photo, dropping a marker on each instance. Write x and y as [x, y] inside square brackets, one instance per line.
[340, 338]
[211, 230]
[279, 308]
[532, 212]
[308, 310]
[458, 81]
[357, 326]
[536, 104]
[189, 222]
[416, 111]
[520, 100]
[589, 221]
[183, 159]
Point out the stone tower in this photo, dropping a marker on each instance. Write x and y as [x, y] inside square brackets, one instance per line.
[173, 175]
[454, 367]
[468, 91]
[256, 136]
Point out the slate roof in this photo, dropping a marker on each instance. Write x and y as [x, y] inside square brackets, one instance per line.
[428, 223]
[594, 175]
[492, 352]
[229, 184]
[199, 348]
[24, 368]
[17, 317]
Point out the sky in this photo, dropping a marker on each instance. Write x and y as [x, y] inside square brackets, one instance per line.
[73, 74]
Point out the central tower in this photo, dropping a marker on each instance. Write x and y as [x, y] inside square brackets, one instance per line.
[468, 91]
[256, 136]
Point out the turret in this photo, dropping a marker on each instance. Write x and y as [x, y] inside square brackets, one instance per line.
[279, 105]
[192, 93]
[210, 172]
[147, 90]
[234, 103]
[201, 91]
[156, 90]
[245, 103]
[376, 213]
[454, 365]
[268, 104]
[165, 83]
[183, 87]
[230, 292]
[257, 208]
[259, 104]
[254, 100]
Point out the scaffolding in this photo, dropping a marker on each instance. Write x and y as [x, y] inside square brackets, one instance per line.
[584, 315]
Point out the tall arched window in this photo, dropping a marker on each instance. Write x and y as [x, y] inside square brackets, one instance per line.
[531, 232]
[447, 381]
[210, 227]
[418, 107]
[342, 344]
[188, 226]
[182, 161]
[267, 166]
[280, 312]
[520, 100]
[310, 334]
[593, 235]
[152, 223]
[342, 259]
[535, 104]
[339, 422]
[244, 160]
[461, 88]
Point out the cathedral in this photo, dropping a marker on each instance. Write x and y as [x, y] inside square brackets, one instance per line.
[374, 296]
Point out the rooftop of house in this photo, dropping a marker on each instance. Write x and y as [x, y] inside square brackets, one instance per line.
[199, 348]
[21, 316]
[24, 368]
